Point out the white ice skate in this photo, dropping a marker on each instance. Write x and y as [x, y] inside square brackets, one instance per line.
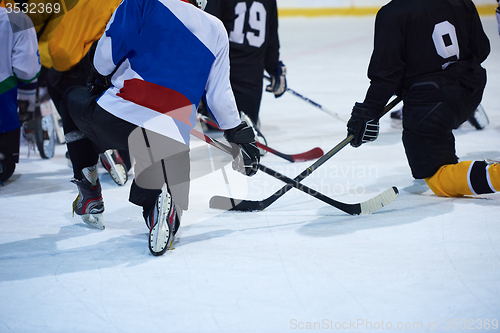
[114, 164]
[161, 222]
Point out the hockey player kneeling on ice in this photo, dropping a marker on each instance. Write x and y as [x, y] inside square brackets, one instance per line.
[150, 74]
[439, 76]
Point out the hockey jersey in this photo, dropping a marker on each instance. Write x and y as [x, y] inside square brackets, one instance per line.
[252, 28]
[419, 37]
[66, 39]
[164, 55]
[19, 63]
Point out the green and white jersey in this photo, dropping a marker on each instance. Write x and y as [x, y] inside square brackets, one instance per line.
[19, 62]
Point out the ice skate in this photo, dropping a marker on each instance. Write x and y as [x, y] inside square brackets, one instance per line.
[114, 164]
[259, 137]
[89, 204]
[46, 137]
[490, 162]
[479, 119]
[397, 119]
[162, 222]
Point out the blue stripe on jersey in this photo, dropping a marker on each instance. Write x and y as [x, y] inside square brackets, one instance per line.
[163, 51]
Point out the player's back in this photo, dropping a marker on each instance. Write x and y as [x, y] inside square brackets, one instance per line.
[435, 33]
[252, 31]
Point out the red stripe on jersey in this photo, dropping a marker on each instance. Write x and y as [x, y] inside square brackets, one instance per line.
[158, 98]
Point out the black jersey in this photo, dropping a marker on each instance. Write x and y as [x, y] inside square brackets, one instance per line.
[252, 28]
[419, 37]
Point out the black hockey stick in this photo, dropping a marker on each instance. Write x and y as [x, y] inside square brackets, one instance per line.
[225, 203]
[309, 155]
[364, 208]
[330, 112]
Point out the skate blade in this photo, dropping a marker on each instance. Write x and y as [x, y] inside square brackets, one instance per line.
[160, 240]
[161, 237]
[94, 220]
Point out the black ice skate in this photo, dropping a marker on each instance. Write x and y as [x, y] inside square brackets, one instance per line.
[89, 204]
[397, 118]
[113, 163]
[163, 222]
[479, 119]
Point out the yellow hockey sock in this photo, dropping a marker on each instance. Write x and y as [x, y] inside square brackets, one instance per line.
[465, 178]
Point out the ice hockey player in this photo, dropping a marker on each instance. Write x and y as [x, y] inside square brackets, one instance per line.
[430, 53]
[19, 64]
[252, 27]
[153, 64]
[65, 42]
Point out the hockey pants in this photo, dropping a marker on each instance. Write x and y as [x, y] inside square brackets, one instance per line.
[90, 130]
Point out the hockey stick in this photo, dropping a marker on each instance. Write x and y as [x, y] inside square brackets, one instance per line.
[354, 209]
[330, 112]
[367, 207]
[302, 157]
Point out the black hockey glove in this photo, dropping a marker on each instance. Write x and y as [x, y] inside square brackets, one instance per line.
[363, 124]
[245, 152]
[97, 83]
[278, 81]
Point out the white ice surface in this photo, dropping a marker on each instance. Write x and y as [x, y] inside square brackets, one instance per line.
[422, 259]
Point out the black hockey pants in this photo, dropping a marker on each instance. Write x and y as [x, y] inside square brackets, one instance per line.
[101, 131]
[434, 105]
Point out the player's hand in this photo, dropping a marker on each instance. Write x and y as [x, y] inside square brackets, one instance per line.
[245, 152]
[278, 81]
[364, 124]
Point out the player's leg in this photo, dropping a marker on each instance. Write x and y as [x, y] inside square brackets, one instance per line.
[9, 153]
[466, 178]
[161, 184]
[89, 204]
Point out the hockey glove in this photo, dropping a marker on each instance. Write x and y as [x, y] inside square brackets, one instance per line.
[278, 81]
[245, 152]
[363, 124]
[97, 83]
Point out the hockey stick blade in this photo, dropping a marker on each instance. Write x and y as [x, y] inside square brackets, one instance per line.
[310, 155]
[362, 208]
[381, 200]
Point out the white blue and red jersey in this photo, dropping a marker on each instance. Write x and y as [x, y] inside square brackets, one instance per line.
[165, 55]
